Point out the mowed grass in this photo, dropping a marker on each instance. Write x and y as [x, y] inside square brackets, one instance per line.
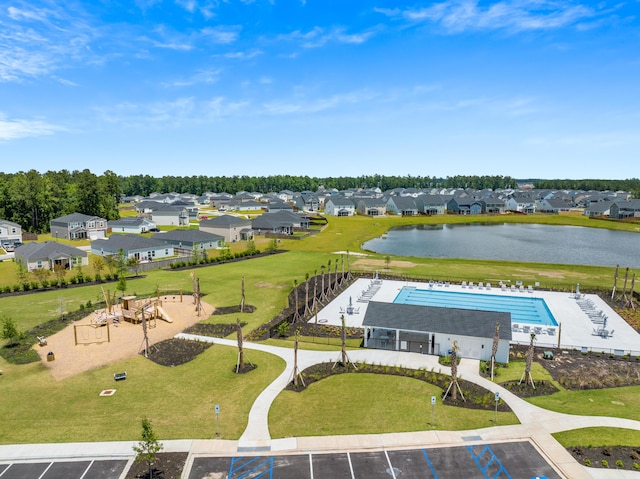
[179, 400]
[613, 402]
[598, 437]
[358, 403]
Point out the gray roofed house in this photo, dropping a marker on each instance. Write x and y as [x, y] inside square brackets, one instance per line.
[131, 224]
[78, 226]
[371, 206]
[432, 204]
[625, 209]
[190, 239]
[231, 228]
[402, 205]
[338, 205]
[431, 330]
[49, 254]
[170, 215]
[283, 222]
[134, 246]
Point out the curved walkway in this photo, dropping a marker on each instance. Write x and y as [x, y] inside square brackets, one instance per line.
[537, 424]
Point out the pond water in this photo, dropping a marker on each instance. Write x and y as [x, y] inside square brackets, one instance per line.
[513, 242]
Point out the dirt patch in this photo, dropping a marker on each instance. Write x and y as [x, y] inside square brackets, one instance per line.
[234, 309]
[168, 465]
[380, 263]
[575, 370]
[101, 345]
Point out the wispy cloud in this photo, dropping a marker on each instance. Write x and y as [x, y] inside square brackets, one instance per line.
[318, 36]
[243, 55]
[13, 129]
[456, 16]
[316, 105]
[35, 41]
[202, 77]
[165, 37]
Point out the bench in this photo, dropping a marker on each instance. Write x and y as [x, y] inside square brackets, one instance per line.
[120, 376]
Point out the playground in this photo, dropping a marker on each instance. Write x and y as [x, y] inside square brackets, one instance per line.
[104, 337]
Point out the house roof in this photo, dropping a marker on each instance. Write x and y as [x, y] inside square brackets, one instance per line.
[129, 221]
[463, 322]
[48, 250]
[404, 202]
[224, 221]
[188, 236]
[9, 223]
[127, 243]
[340, 202]
[74, 218]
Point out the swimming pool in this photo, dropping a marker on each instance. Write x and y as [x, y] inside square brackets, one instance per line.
[526, 310]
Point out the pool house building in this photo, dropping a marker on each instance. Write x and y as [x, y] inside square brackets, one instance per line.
[432, 330]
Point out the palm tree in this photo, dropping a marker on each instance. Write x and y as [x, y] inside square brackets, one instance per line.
[528, 360]
[494, 348]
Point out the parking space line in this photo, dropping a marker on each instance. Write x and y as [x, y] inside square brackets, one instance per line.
[426, 456]
[45, 471]
[311, 465]
[2, 473]
[350, 466]
[393, 474]
[86, 470]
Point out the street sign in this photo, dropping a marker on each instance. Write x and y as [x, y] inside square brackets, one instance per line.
[217, 408]
[433, 400]
[497, 396]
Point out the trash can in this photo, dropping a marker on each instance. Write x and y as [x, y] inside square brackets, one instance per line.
[50, 356]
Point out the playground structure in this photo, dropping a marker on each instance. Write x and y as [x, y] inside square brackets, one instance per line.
[89, 334]
[133, 310]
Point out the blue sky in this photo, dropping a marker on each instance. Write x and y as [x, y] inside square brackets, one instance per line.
[524, 88]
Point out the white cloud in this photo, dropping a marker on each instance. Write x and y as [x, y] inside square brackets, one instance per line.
[243, 55]
[13, 129]
[318, 36]
[305, 105]
[223, 35]
[511, 15]
[201, 77]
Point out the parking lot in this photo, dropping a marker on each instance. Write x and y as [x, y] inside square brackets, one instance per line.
[99, 469]
[504, 460]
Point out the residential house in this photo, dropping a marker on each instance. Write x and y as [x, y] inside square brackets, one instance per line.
[402, 205]
[231, 228]
[282, 222]
[552, 205]
[49, 254]
[372, 206]
[78, 226]
[170, 216]
[186, 241]
[139, 247]
[10, 232]
[132, 225]
[339, 206]
[597, 209]
[625, 209]
[521, 201]
[431, 204]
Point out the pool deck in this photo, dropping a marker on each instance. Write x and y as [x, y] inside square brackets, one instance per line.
[576, 328]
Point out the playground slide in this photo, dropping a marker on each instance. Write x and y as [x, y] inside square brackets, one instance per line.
[164, 315]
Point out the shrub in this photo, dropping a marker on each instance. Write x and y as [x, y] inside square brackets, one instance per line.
[619, 463]
[605, 463]
[26, 286]
[35, 285]
[7, 289]
[45, 283]
[73, 280]
[636, 466]
[587, 462]
[89, 304]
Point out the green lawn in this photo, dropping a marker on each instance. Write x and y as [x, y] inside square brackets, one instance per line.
[616, 402]
[370, 404]
[598, 437]
[179, 400]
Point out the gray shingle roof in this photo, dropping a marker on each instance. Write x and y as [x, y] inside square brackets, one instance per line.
[127, 243]
[224, 221]
[463, 322]
[48, 250]
[188, 236]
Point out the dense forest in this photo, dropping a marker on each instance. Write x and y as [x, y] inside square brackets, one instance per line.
[31, 198]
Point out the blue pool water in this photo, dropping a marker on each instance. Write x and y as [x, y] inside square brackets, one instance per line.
[526, 310]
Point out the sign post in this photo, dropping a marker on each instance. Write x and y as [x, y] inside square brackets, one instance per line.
[216, 409]
[433, 405]
[497, 400]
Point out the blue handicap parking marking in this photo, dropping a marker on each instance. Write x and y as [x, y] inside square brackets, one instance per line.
[426, 456]
[487, 459]
[254, 467]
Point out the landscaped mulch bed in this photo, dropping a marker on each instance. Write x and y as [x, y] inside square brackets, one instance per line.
[593, 457]
[174, 352]
[213, 330]
[169, 465]
[233, 309]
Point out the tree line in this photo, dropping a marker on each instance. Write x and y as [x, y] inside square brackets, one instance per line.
[631, 185]
[31, 198]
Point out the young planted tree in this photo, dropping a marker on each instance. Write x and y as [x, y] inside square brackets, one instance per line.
[454, 387]
[242, 298]
[97, 263]
[133, 264]
[240, 365]
[148, 446]
[10, 331]
[307, 309]
[494, 348]
[526, 375]
[296, 314]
